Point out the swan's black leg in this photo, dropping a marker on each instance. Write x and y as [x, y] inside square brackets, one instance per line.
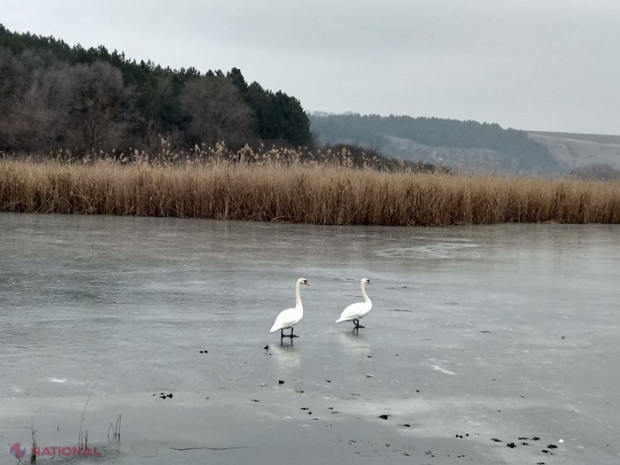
[292, 336]
[281, 334]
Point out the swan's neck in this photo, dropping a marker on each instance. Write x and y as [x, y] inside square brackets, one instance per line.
[297, 297]
[366, 298]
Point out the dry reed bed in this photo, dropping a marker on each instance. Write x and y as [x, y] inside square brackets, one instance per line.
[300, 192]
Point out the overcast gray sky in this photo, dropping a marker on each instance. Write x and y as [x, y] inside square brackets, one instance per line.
[550, 65]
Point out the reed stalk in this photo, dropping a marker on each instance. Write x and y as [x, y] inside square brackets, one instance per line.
[288, 186]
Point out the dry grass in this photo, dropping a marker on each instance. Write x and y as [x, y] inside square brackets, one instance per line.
[287, 186]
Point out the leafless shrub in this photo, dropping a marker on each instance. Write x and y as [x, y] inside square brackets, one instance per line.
[599, 171]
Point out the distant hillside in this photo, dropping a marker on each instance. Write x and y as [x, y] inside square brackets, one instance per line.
[583, 152]
[456, 144]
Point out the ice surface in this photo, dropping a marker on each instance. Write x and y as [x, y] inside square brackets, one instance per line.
[504, 332]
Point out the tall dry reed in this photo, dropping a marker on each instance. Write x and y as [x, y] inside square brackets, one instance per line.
[282, 185]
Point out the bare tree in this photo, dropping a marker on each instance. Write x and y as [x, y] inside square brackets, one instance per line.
[48, 105]
[101, 109]
[25, 118]
[27, 124]
[217, 112]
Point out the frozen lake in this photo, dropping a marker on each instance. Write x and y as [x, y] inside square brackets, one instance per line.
[480, 339]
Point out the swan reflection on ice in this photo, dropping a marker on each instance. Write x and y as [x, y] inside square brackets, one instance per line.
[288, 363]
[357, 345]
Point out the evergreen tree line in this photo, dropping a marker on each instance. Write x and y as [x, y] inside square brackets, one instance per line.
[372, 130]
[55, 96]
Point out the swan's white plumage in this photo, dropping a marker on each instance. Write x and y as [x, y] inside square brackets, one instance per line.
[287, 319]
[357, 310]
[291, 316]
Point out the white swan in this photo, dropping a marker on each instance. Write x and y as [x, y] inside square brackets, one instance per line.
[355, 312]
[291, 316]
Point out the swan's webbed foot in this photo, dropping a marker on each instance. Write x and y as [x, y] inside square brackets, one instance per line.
[293, 335]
